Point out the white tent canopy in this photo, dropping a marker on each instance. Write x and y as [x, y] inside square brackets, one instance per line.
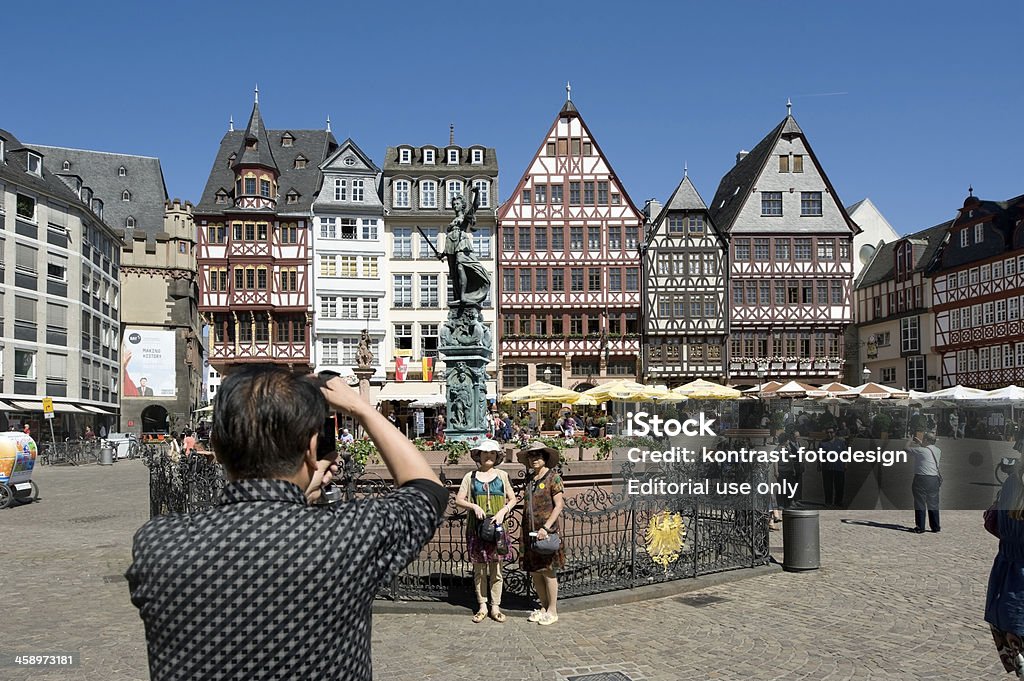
[955, 394]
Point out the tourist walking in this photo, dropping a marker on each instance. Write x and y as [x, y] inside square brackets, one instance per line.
[544, 505]
[1003, 610]
[927, 482]
[488, 496]
[833, 474]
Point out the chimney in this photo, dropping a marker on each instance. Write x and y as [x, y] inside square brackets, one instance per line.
[651, 209]
[741, 155]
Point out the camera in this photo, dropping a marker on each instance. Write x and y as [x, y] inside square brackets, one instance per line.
[326, 447]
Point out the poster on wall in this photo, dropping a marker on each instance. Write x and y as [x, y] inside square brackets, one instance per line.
[148, 360]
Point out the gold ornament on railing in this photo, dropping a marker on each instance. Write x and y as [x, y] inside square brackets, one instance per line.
[664, 538]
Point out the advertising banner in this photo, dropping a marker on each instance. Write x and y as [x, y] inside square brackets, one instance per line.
[148, 359]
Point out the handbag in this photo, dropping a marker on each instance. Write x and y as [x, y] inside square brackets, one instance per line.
[991, 520]
[550, 544]
[486, 529]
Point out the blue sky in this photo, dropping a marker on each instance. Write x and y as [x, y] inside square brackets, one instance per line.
[932, 98]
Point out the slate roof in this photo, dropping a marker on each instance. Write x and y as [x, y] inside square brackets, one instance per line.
[14, 170]
[440, 167]
[685, 197]
[883, 264]
[260, 154]
[314, 145]
[144, 180]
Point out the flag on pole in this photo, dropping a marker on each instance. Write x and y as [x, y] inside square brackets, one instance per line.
[428, 368]
[401, 368]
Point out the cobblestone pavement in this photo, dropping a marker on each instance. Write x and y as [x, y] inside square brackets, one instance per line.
[887, 604]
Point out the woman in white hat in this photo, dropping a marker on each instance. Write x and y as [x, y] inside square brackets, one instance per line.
[540, 518]
[487, 494]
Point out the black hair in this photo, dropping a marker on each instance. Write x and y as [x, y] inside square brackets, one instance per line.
[263, 419]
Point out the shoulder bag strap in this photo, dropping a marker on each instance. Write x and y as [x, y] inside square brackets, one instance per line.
[932, 452]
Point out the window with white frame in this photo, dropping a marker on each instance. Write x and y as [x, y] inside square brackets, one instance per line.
[973, 275]
[995, 358]
[429, 157]
[972, 360]
[405, 155]
[347, 229]
[402, 242]
[961, 360]
[986, 273]
[983, 357]
[329, 307]
[371, 308]
[429, 291]
[1000, 311]
[1019, 352]
[962, 278]
[965, 318]
[370, 268]
[129, 222]
[26, 207]
[483, 189]
[357, 190]
[328, 228]
[1010, 267]
[1013, 309]
[909, 334]
[348, 307]
[916, 379]
[369, 229]
[348, 348]
[453, 187]
[403, 336]
[122, 171]
[25, 364]
[1008, 356]
[453, 156]
[428, 194]
[400, 198]
[478, 156]
[979, 233]
[810, 204]
[482, 242]
[987, 310]
[341, 190]
[328, 266]
[426, 242]
[25, 259]
[329, 351]
[997, 270]
[965, 238]
[402, 290]
[954, 320]
[428, 340]
[126, 195]
[771, 204]
[35, 164]
[57, 268]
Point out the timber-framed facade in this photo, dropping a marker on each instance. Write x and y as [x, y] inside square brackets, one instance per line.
[569, 260]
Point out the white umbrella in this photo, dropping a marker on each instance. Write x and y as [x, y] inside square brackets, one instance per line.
[956, 393]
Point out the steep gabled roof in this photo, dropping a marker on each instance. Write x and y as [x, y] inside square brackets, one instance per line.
[349, 144]
[685, 197]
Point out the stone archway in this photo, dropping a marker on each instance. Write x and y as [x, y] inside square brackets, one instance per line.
[154, 419]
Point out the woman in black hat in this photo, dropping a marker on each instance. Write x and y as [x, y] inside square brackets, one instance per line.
[540, 518]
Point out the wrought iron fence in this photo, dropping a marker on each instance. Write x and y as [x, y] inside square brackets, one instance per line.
[604, 534]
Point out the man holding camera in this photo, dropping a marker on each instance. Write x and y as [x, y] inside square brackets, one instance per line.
[266, 585]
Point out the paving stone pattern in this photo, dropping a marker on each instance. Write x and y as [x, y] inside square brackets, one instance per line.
[888, 604]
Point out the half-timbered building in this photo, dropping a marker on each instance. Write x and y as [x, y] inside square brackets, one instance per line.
[684, 280]
[254, 244]
[790, 261]
[978, 293]
[569, 289]
[895, 323]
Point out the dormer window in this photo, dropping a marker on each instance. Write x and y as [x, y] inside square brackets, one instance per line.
[287, 140]
[222, 197]
[979, 233]
[478, 156]
[67, 165]
[122, 172]
[129, 222]
[250, 143]
[35, 164]
[97, 207]
[126, 195]
[292, 197]
[3, 148]
[429, 157]
[405, 155]
[453, 156]
[231, 160]
[300, 161]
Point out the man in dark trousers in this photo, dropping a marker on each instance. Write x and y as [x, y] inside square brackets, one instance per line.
[833, 475]
[265, 585]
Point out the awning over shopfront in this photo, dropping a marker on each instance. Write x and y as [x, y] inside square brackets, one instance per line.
[409, 391]
[88, 408]
[58, 407]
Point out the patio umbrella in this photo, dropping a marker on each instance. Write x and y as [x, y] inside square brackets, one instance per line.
[834, 389]
[875, 391]
[763, 388]
[542, 392]
[706, 390]
[955, 394]
[791, 389]
[630, 391]
[1007, 395]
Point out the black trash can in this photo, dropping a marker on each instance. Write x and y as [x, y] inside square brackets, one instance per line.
[800, 538]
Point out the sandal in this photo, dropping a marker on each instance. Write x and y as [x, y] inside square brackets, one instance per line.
[479, 617]
[497, 615]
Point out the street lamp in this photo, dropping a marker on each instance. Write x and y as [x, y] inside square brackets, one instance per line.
[547, 374]
[760, 379]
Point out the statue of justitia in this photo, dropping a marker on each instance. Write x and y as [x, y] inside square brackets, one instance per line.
[470, 280]
[363, 353]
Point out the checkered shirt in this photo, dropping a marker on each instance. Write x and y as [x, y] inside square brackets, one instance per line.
[265, 587]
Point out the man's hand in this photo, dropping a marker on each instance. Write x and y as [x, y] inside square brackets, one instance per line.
[343, 398]
[325, 470]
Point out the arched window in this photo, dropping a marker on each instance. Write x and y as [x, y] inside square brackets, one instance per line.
[67, 165]
[122, 172]
[129, 222]
[126, 195]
